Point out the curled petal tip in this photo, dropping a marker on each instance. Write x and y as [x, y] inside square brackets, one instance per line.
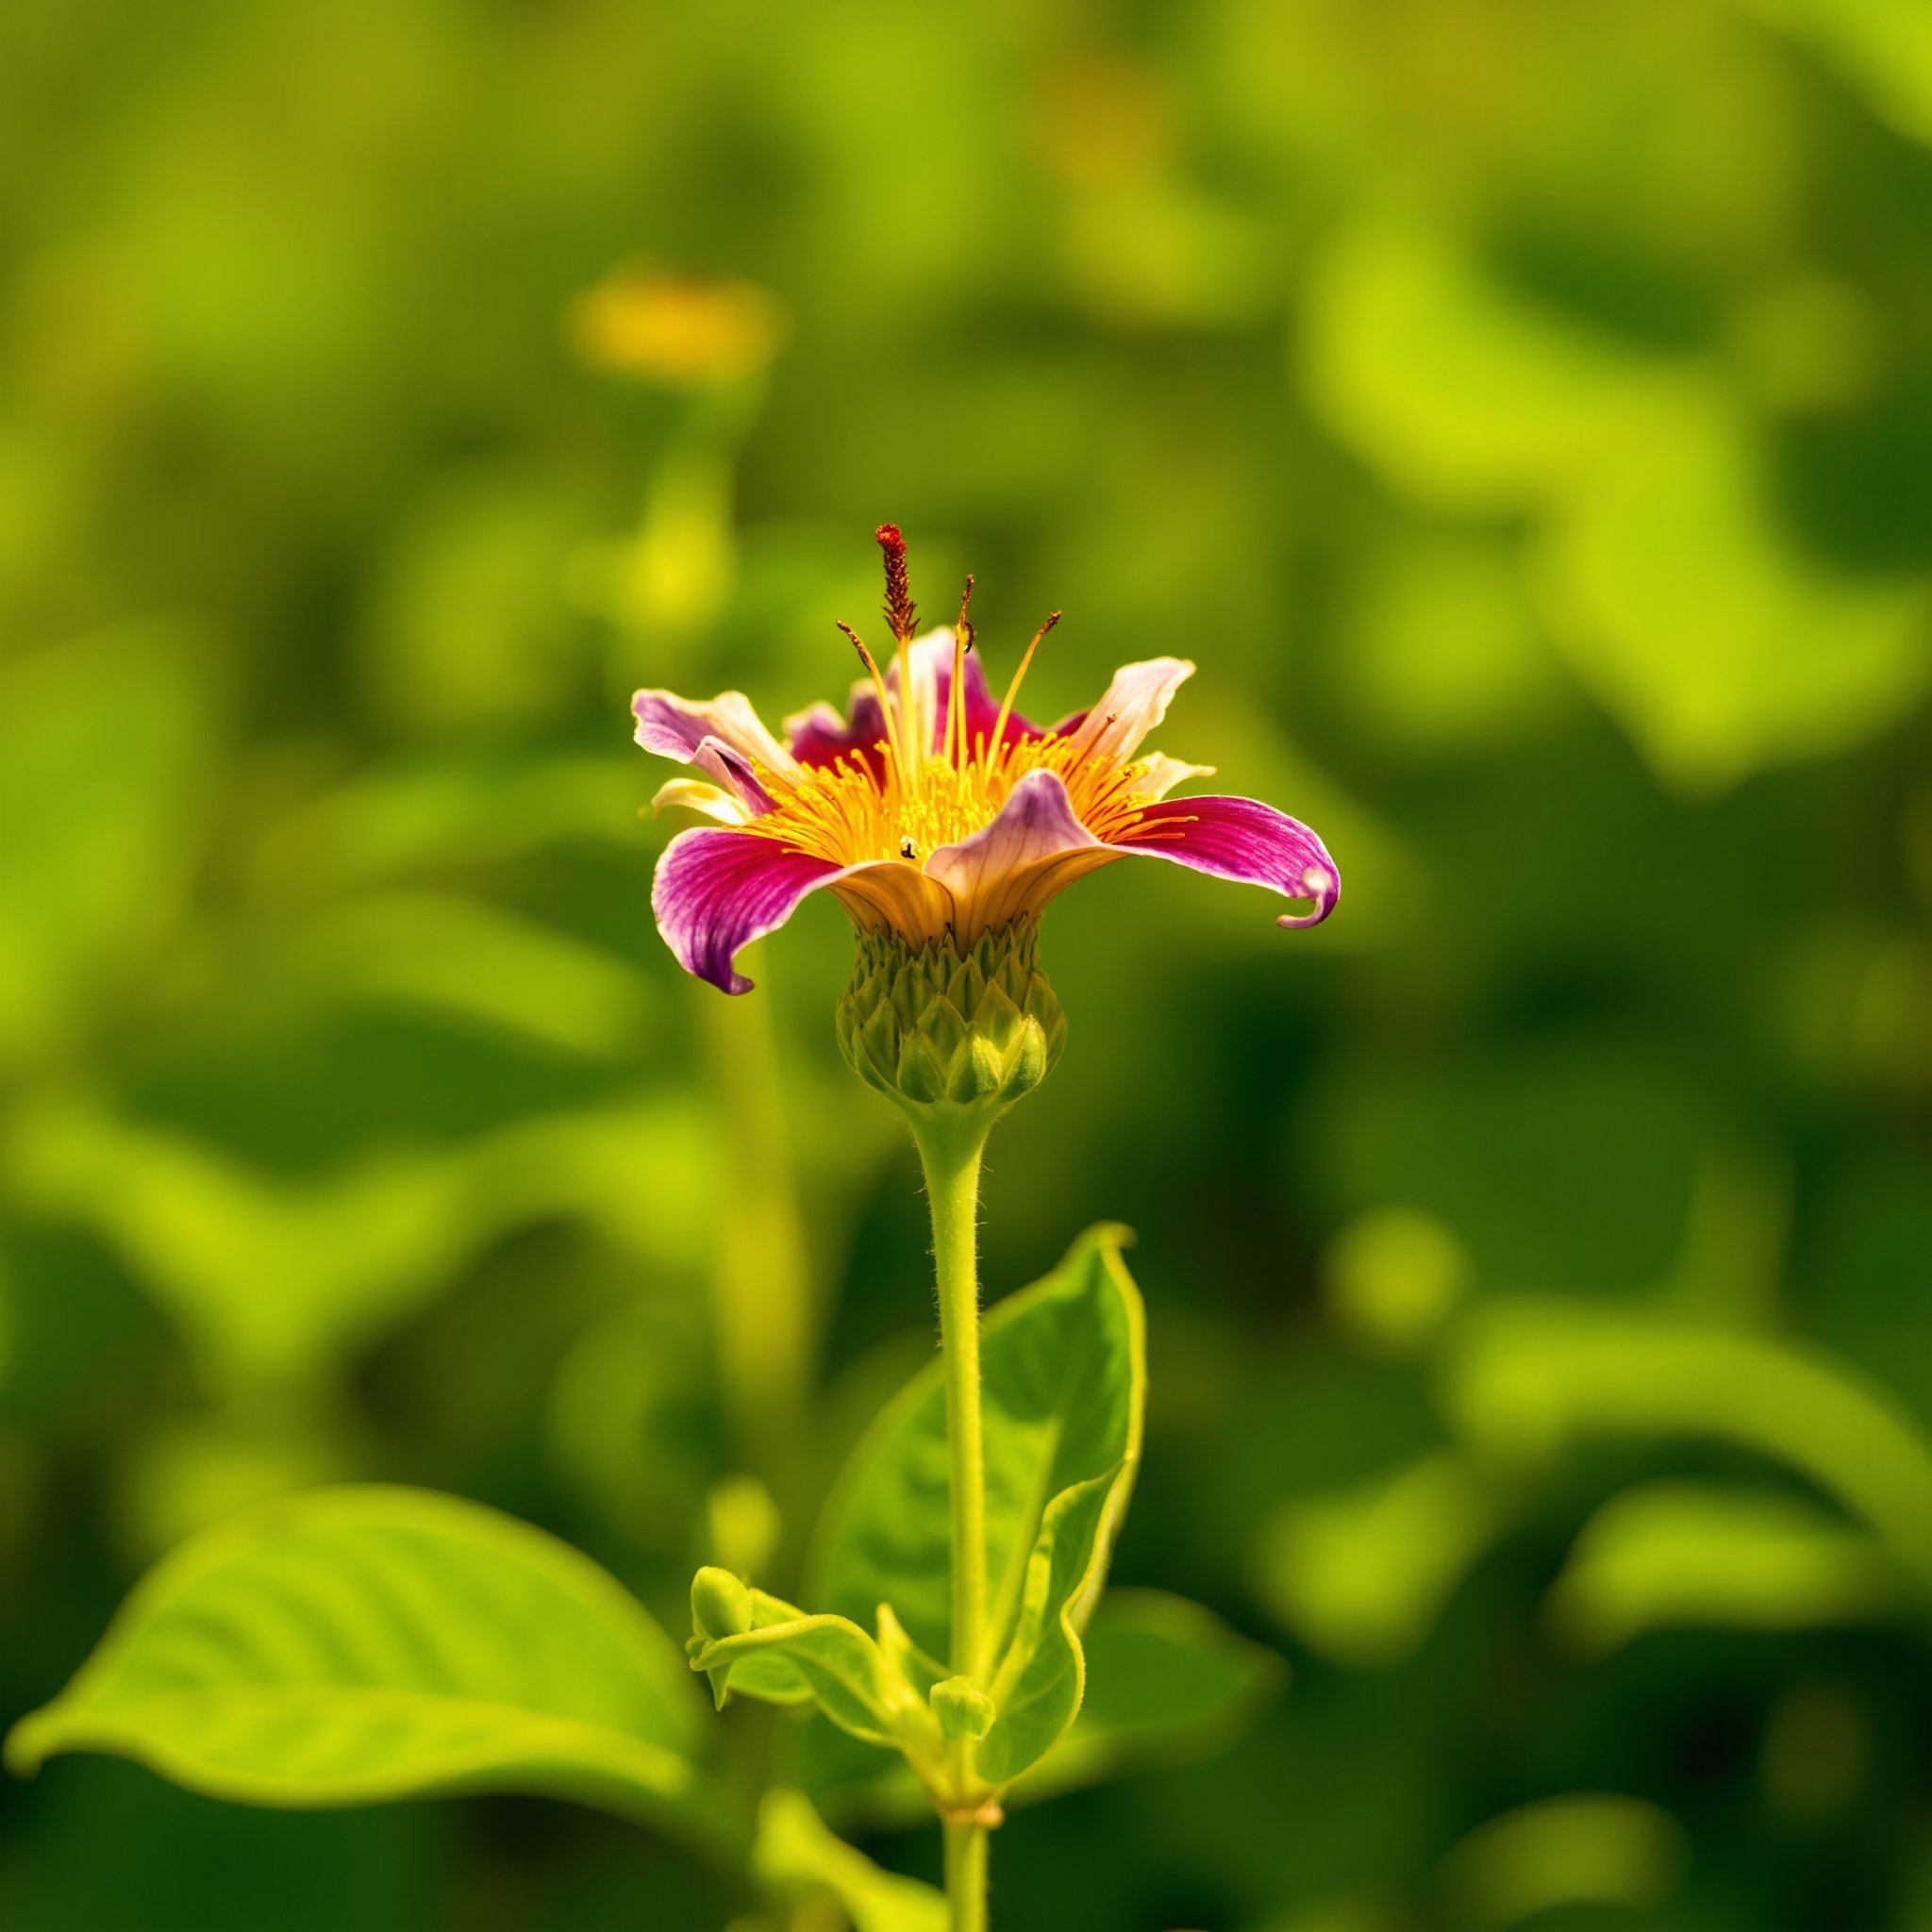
[1324, 889]
[1241, 839]
[717, 888]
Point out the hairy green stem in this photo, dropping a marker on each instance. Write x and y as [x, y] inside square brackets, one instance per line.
[951, 1155]
[966, 1876]
[952, 1186]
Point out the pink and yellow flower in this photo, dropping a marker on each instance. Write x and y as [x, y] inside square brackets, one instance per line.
[928, 810]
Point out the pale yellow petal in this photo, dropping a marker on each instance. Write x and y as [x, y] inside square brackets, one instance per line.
[895, 893]
[712, 801]
[1162, 774]
[1130, 706]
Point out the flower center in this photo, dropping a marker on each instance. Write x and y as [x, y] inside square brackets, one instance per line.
[859, 810]
[931, 781]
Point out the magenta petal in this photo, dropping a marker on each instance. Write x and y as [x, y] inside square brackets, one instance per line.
[1243, 838]
[817, 737]
[820, 737]
[675, 727]
[735, 773]
[717, 890]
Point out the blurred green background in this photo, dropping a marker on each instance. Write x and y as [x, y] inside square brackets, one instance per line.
[1523, 413]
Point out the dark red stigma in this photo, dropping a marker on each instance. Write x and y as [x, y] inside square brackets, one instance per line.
[901, 614]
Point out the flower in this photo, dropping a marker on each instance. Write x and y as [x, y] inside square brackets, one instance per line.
[683, 332]
[929, 811]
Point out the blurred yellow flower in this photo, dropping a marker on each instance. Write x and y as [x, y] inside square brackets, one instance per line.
[668, 326]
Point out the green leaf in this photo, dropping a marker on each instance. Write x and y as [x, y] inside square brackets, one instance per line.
[436, 810]
[1881, 47]
[1674, 1554]
[766, 1674]
[796, 1857]
[349, 1646]
[1459, 385]
[1042, 1673]
[1690, 607]
[353, 1250]
[102, 810]
[787, 1655]
[1167, 1682]
[1362, 1574]
[1586, 1848]
[1064, 1377]
[1523, 1379]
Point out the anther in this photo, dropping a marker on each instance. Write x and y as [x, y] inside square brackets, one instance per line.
[901, 614]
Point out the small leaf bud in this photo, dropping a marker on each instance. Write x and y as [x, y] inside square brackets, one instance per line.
[720, 1604]
[963, 1709]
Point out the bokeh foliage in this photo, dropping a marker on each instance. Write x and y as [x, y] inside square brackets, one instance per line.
[1520, 411]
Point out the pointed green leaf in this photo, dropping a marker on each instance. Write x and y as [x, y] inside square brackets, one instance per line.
[767, 1674]
[1167, 1683]
[849, 1676]
[771, 1675]
[349, 1646]
[1063, 1383]
[1041, 1676]
[1064, 1375]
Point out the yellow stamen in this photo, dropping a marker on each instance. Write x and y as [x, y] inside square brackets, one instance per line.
[999, 729]
[848, 813]
[911, 724]
[956, 752]
[878, 684]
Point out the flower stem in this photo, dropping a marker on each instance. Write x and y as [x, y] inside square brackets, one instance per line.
[952, 1186]
[951, 1155]
[966, 1876]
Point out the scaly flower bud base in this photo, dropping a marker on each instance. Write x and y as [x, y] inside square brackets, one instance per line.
[946, 1031]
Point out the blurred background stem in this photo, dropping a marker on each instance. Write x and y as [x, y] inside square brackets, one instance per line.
[762, 1305]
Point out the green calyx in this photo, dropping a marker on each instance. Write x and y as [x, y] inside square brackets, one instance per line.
[940, 1028]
